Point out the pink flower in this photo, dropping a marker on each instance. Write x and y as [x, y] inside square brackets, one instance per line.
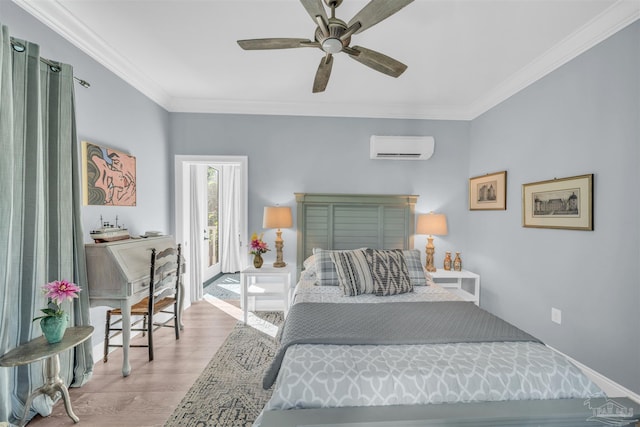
[61, 290]
[258, 246]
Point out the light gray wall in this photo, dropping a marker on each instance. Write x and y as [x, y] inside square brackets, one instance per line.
[114, 114]
[583, 118]
[331, 155]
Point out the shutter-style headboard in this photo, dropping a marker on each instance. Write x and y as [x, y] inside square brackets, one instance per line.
[350, 221]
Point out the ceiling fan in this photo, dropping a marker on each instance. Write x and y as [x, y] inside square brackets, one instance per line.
[334, 36]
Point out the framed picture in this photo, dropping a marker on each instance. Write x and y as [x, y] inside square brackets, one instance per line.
[488, 192]
[559, 203]
[108, 176]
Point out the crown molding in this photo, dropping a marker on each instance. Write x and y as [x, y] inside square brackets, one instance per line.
[59, 19]
[615, 18]
[356, 110]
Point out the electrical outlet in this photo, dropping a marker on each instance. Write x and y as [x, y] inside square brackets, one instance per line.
[556, 316]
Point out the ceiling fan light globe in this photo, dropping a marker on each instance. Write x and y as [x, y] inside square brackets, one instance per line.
[332, 45]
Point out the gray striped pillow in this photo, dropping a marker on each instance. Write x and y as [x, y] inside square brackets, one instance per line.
[353, 272]
[388, 271]
[325, 269]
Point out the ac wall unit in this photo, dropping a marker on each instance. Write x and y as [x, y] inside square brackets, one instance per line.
[401, 147]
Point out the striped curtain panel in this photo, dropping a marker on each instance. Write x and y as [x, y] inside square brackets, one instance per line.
[40, 229]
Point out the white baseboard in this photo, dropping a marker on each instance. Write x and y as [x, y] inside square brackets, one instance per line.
[610, 387]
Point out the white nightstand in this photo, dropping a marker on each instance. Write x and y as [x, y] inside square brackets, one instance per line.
[278, 284]
[452, 281]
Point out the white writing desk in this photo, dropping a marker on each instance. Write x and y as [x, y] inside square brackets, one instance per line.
[118, 276]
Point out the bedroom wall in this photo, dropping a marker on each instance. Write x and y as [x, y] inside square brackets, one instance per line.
[114, 114]
[331, 155]
[583, 118]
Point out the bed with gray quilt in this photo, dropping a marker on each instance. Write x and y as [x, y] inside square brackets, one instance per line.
[416, 348]
[370, 340]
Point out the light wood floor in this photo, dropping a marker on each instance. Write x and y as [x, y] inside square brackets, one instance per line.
[150, 394]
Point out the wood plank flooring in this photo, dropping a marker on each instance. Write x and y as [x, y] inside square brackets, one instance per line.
[150, 394]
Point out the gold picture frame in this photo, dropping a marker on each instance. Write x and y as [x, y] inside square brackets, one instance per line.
[488, 192]
[565, 203]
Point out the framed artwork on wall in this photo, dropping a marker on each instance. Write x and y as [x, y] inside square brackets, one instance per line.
[559, 203]
[488, 192]
[108, 176]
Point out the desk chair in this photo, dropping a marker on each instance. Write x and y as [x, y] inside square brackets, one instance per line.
[164, 287]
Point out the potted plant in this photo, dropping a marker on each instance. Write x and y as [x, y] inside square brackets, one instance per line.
[258, 247]
[54, 322]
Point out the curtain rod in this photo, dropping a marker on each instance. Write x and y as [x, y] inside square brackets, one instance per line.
[19, 47]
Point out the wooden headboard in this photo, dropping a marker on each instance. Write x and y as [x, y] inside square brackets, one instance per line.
[350, 221]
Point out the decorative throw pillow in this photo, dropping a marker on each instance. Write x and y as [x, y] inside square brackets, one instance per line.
[353, 271]
[309, 263]
[414, 267]
[388, 271]
[325, 269]
[309, 275]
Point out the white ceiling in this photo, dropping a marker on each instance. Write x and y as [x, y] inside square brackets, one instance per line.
[463, 57]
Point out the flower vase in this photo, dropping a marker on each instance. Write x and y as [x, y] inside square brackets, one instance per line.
[53, 328]
[257, 260]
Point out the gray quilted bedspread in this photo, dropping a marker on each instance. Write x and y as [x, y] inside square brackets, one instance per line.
[390, 324]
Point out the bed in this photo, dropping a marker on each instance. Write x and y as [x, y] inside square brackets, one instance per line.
[354, 352]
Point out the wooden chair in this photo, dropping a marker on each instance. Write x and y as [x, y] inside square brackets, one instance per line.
[164, 292]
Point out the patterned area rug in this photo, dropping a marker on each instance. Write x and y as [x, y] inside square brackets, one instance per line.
[229, 391]
[225, 287]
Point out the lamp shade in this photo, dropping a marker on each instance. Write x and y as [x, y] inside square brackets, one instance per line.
[432, 224]
[277, 217]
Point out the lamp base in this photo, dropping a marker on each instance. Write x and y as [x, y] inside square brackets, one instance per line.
[279, 244]
[430, 250]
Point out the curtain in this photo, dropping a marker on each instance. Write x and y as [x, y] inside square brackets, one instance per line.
[230, 257]
[40, 225]
[197, 199]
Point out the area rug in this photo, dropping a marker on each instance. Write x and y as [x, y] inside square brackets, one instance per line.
[225, 287]
[229, 391]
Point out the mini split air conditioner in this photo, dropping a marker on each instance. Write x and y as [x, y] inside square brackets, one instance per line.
[401, 147]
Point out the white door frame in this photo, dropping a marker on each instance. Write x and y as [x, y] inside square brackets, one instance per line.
[182, 205]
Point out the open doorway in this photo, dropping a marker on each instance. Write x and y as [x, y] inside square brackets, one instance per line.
[211, 217]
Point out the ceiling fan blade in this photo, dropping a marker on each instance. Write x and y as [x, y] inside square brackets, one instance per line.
[376, 11]
[378, 61]
[274, 43]
[323, 74]
[315, 8]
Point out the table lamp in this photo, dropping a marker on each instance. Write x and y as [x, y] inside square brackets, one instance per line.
[277, 217]
[431, 224]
